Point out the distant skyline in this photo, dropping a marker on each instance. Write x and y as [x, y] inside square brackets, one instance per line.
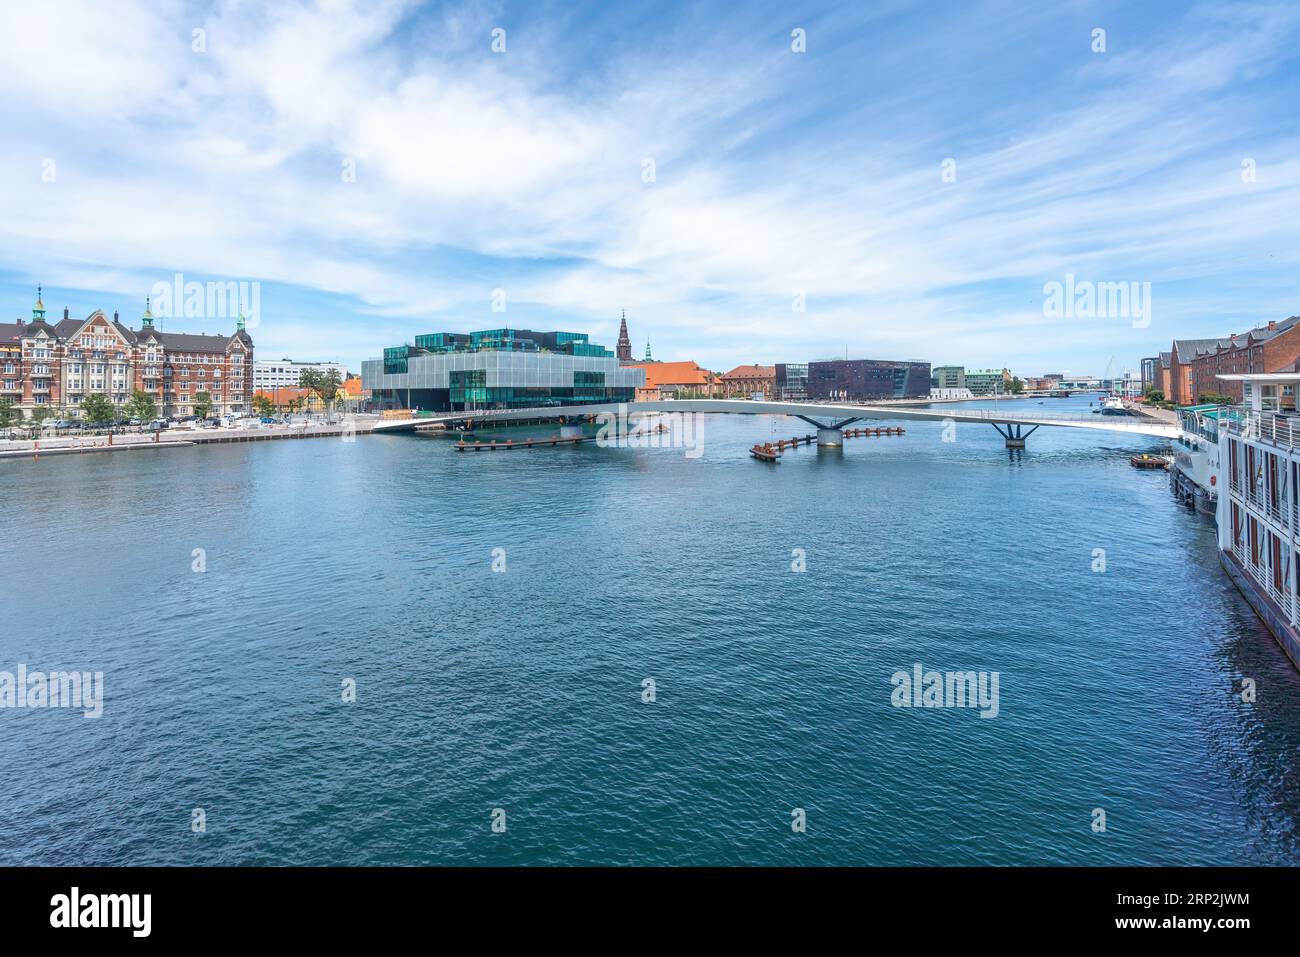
[916, 177]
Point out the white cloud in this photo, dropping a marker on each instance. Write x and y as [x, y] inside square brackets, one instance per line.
[228, 163]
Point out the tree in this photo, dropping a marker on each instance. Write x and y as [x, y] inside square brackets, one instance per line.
[140, 406]
[97, 409]
[9, 413]
[40, 414]
[1155, 395]
[263, 405]
[1017, 385]
[202, 404]
[324, 384]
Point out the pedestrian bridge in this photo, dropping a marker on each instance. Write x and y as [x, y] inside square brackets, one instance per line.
[829, 418]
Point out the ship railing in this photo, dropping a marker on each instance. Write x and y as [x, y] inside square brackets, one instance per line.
[1280, 595]
[1279, 428]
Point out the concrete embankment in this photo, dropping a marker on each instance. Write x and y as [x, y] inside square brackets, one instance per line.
[32, 452]
[181, 438]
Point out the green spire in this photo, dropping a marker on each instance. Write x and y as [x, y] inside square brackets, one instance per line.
[240, 324]
[147, 318]
[38, 310]
[647, 351]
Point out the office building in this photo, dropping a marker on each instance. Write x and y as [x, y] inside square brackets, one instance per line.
[269, 374]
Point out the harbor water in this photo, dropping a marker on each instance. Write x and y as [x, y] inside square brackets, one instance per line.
[636, 655]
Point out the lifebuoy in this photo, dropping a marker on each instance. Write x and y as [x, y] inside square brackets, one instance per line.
[1214, 480]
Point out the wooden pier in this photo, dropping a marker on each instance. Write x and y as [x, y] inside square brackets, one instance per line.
[551, 441]
[772, 451]
[492, 446]
[872, 433]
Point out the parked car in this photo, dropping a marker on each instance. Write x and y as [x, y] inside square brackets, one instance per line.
[267, 420]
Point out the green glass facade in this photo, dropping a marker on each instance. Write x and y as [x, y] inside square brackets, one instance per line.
[395, 360]
[499, 368]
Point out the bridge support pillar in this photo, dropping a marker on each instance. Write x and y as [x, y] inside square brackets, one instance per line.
[830, 438]
[570, 431]
[1013, 434]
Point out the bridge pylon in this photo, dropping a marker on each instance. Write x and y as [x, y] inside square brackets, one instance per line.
[829, 436]
[1013, 434]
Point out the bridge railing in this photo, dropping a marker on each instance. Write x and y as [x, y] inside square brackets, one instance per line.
[1047, 418]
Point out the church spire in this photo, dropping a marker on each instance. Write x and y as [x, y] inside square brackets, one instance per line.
[647, 351]
[624, 350]
[38, 310]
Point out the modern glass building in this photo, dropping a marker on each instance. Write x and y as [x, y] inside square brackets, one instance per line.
[792, 381]
[498, 369]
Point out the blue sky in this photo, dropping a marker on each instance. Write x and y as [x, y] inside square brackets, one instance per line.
[129, 157]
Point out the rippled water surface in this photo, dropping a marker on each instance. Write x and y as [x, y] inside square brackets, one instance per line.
[522, 690]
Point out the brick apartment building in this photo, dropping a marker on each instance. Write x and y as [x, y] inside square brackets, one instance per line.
[1194, 363]
[54, 366]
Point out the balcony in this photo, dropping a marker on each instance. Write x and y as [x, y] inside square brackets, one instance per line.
[1281, 429]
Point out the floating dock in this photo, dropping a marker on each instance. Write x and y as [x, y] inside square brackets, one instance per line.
[1145, 461]
[492, 446]
[550, 441]
[872, 433]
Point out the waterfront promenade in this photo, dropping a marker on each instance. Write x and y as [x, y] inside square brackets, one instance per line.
[184, 438]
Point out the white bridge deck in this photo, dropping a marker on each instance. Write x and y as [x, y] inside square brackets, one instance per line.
[835, 415]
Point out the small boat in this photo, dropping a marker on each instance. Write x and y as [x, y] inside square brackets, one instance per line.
[765, 453]
[1113, 405]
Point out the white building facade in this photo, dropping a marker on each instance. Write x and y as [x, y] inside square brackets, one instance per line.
[271, 374]
[1258, 515]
